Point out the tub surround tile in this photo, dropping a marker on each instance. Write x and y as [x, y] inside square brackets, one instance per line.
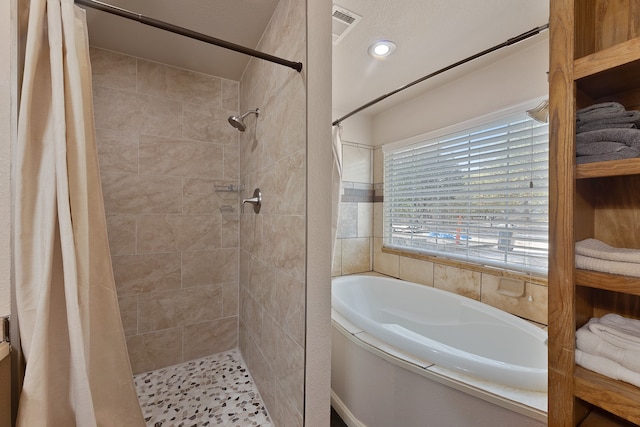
[416, 271]
[365, 219]
[532, 305]
[214, 390]
[456, 280]
[377, 220]
[357, 163]
[378, 165]
[385, 263]
[347, 221]
[356, 255]
[336, 263]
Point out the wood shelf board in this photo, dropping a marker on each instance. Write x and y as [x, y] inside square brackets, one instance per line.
[608, 282]
[610, 168]
[616, 397]
[609, 60]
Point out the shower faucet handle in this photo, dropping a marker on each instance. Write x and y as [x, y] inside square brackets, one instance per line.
[256, 201]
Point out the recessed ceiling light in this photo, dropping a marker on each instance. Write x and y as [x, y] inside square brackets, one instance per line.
[382, 49]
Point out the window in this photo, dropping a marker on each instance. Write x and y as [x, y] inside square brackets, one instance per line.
[479, 194]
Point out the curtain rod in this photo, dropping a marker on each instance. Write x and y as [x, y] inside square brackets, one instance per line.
[509, 42]
[187, 33]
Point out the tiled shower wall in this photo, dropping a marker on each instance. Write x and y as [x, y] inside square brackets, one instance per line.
[164, 144]
[273, 243]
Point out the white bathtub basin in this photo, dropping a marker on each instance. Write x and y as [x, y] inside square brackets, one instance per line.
[446, 329]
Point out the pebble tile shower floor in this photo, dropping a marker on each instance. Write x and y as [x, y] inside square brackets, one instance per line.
[213, 391]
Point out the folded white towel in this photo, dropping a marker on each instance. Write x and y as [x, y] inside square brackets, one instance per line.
[606, 266]
[596, 249]
[607, 367]
[591, 343]
[624, 328]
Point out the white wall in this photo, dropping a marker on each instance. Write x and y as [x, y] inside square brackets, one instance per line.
[7, 30]
[515, 79]
[356, 128]
[319, 162]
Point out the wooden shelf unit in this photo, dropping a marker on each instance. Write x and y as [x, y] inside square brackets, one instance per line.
[594, 57]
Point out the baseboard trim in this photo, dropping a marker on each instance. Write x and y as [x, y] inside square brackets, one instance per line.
[344, 412]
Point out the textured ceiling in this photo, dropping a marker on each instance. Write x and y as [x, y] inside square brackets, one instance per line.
[237, 21]
[430, 34]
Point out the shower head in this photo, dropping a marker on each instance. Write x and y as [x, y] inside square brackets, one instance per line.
[238, 121]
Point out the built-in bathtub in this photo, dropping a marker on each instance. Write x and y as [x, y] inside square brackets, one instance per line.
[434, 354]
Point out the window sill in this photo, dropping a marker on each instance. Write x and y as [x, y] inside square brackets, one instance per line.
[533, 278]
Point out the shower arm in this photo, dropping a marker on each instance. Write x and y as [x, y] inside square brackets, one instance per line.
[95, 4]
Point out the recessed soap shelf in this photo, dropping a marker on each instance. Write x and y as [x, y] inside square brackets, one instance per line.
[230, 188]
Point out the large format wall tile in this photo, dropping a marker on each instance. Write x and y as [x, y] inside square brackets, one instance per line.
[163, 310]
[179, 84]
[117, 150]
[131, 112]
[113, 70]
[165, 156]
[141, 274]
[136, 194]
[165, 151]
[155, 350]
[207, 338]
[169, 233]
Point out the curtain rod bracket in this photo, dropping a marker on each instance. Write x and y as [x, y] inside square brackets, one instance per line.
[114, 10]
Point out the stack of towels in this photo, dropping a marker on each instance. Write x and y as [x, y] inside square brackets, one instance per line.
[610, 346]
[592, 254]
[607, 131]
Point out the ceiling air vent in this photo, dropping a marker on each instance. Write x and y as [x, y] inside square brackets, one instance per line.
[343, 21]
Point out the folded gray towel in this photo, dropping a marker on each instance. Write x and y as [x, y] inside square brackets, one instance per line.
[630, 116]
[625, 153]
[599, 111]
[629, 137]
[602, 147]
[603, 125]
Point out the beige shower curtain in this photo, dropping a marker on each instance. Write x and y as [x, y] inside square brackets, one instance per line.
[77, 372]
[336, 187]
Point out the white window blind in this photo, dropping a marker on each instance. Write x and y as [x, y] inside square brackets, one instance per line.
[479, 195]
